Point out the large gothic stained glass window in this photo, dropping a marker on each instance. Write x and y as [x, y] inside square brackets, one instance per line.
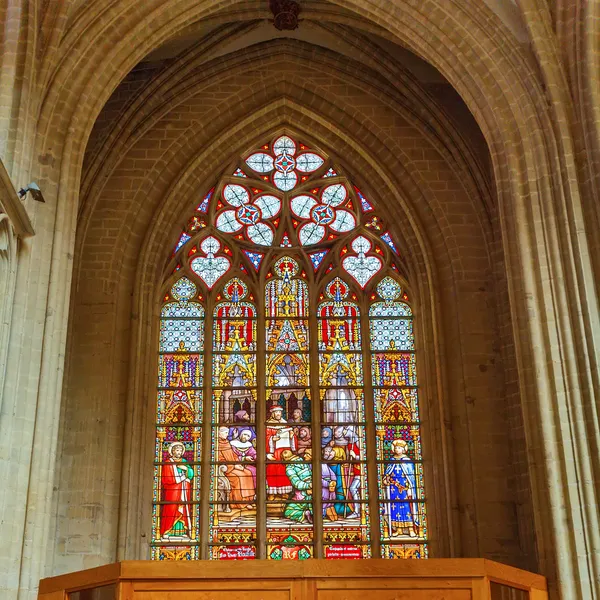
[287, 409]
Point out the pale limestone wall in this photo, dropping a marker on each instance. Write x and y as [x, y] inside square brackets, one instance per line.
[537, 106]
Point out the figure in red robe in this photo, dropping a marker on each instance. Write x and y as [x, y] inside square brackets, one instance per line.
[279, 438]
[176, 482]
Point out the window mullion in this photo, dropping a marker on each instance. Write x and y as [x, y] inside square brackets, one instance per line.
[261, 416]
[316, 428]
[370, 434]
[207, 441]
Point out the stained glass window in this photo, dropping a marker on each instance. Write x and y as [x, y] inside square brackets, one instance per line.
[287, 416]
[178, 450]
[288, 424]
[402, 519]
[343, 451]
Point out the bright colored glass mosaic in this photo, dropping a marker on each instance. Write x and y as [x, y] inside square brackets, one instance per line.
[288, 429]
[343, 468]
[286, 351]
[402, 518]
[178, 449]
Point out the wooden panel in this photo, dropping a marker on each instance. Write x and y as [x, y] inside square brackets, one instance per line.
[513, 577]
[238, 594]
[222, 589]
[504, 592]
[104, 592]
[82, 579]
[317, 568]
[60, 595]
[433, 579]
[376, 583]
[389, 594]
[221, 584]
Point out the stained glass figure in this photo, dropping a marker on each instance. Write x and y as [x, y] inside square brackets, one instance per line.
[288, 414]
[343, 470]
[178, 432]
[288, 430]
[232, 523]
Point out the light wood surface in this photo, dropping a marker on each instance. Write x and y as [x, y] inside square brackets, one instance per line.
[433, 579]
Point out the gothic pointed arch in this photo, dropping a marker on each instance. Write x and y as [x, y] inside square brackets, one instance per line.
[287, 421]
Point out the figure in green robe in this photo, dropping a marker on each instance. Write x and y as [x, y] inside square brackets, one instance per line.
[299, 472]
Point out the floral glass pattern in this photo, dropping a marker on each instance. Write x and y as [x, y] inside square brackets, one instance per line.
[210, 268]
[248, 213]
[286, 350]
[284, 163]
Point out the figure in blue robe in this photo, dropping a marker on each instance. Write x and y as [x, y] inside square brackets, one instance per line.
[400, 484]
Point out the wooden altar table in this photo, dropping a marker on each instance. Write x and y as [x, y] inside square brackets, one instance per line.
[432, 579]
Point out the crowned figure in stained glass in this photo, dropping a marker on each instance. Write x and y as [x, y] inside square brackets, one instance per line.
[401, 489]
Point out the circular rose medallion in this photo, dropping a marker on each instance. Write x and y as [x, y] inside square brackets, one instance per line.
[322, 215]
[248, 214]
[285, 163]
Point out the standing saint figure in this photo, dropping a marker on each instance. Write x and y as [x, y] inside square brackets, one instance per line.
[279, 438]
[328, 485]
[401, 490]
[176, 481]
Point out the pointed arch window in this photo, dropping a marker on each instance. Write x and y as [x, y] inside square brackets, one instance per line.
[287, 414]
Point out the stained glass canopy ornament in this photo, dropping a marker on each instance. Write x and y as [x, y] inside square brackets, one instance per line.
[184, 289]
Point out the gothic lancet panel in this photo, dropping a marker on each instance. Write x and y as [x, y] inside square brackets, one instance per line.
[403, 525]
[178, 452]
[343, 467]
[288, 428]
[232, 514]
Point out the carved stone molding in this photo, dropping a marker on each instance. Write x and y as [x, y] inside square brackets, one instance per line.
[11, 205]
